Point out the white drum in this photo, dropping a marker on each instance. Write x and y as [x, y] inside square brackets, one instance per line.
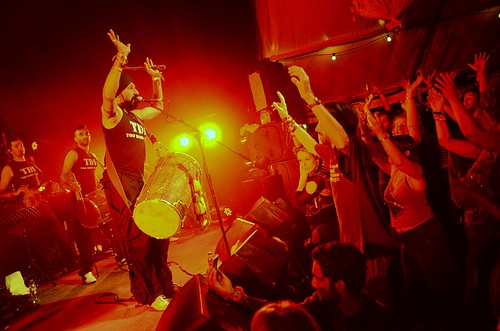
[166, 196]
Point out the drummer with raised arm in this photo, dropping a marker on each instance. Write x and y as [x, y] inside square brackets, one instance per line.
[78, 174]
[125, 135]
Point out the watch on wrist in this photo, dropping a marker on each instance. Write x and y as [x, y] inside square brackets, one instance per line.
[315, 103]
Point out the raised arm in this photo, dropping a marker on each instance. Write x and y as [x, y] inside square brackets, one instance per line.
[479, 67]
[469, 127]
[376, 153]
[385, 103]
[411, 108]
[461, 147]
[296, 130]
[397, 158]
[331, 126]
[111, 112]
[148, 113]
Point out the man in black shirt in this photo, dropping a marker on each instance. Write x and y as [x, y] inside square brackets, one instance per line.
[124, 133]
[78, 174]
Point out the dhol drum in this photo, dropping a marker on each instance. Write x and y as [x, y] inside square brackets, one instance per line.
[93, 210]
[166, 196]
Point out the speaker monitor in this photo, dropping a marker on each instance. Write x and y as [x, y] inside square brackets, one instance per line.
[236, 234]
[195, 307]
[270, 77]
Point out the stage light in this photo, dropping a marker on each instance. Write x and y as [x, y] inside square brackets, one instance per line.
[184, 141]
[388, 38]
[210, 134]
[334, 57]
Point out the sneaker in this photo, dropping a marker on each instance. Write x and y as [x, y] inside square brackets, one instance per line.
[160, 303]
[88, 278]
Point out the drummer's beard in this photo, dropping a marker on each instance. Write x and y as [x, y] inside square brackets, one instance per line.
[130, 105]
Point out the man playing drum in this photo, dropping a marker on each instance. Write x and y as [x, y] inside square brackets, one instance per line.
[78, 174]
[28, 217]
[150, 277]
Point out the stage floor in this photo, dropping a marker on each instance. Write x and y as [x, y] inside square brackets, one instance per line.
[72, 306]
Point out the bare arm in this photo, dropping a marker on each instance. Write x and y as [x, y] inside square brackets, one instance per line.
[111, 112]
[385, 103]
[331, 126]
[66, 174]
[398, 159]
[471, 197]
[5, 178]
[469, 127]
[148, 113]
[480, 67]
[411, 108]
[458, 146]
[297, 132]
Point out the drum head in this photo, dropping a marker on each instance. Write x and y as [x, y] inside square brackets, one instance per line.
[157, 218]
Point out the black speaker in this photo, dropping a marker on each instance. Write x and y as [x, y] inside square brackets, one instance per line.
[268, 78]
[236, 234]
[281, 220]
[258, 264]
[195, 307]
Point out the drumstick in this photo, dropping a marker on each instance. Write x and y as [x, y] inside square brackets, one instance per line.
[79, 194]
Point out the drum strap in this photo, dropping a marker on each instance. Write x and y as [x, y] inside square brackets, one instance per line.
[113, 175]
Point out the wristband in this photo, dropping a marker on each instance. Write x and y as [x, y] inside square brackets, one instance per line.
[383, 138]
[315, 103]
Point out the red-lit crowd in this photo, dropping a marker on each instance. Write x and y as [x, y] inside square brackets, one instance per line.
[414, 187]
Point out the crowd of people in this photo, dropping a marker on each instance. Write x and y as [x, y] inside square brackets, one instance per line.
[440, 240]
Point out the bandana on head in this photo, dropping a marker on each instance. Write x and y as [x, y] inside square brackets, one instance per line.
[125, 81]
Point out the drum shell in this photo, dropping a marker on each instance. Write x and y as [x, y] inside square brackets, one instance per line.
[167, 195]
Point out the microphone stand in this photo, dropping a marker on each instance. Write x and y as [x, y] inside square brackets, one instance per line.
[197, 135]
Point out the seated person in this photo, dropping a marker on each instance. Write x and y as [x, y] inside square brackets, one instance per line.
[339, 303]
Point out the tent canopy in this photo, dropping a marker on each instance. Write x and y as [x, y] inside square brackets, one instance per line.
[428, 35]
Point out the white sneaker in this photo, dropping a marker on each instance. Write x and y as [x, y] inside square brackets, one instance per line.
[15, 284]
[160, 303]
[88, 278]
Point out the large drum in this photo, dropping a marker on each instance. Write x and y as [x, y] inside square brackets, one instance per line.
[167, 195]
[93, 210]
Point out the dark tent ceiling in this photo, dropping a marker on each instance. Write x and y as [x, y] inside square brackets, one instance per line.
[440, 35]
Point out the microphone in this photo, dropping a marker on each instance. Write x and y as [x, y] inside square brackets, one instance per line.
[138, 98]
[159, 67]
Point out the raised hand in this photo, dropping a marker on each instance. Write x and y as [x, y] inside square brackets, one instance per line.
[429, 79]
[446, 83]
[372, 122]
[410, 87]
[301, 80]
[120, 46]
[479, 62]
[281, 107]
[154, 73]
[436, 100]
